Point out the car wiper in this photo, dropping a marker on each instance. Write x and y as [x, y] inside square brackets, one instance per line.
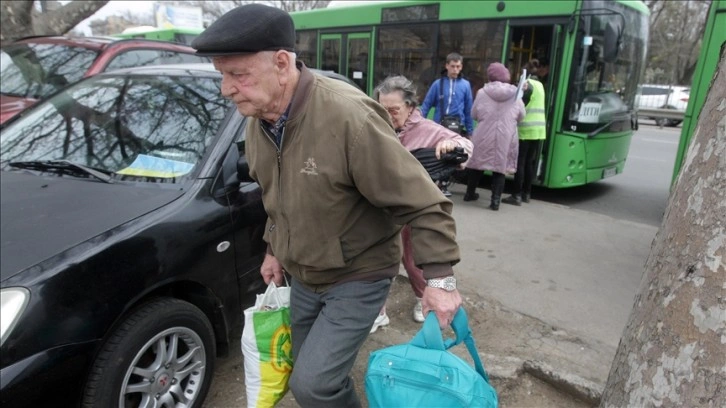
[62, 166]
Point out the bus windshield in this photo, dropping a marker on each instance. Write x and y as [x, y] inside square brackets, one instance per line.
[610, 55]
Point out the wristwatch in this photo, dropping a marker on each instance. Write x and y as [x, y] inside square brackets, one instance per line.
[448, 283]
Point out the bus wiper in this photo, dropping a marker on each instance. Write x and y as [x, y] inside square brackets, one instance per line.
[62, 166]
[600, 129]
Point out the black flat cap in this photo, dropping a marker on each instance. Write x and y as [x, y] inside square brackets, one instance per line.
[247, 29]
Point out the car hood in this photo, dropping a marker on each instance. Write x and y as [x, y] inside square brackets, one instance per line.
[44, 216]
[12, 105]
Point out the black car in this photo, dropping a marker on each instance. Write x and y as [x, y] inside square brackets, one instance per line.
[129, 246]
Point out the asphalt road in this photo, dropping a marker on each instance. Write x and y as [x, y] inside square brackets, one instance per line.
[640, 193]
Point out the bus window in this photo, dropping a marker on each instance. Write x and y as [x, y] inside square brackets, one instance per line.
[358, 50]
[306, 47]
[184, 38]
[479, 42]
[330, 54]
[409, 51]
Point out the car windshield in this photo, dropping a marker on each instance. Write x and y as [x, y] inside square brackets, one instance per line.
[140, 128]
[35, 71]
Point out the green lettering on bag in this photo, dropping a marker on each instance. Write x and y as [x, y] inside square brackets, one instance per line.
[281, 350]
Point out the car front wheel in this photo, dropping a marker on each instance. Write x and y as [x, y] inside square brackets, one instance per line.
[162, 355]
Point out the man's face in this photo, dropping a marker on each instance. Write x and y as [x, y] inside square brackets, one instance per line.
[251, 81]
[453, 68]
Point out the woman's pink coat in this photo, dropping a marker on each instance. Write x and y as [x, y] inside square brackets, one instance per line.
[496, 144]
[419, 133]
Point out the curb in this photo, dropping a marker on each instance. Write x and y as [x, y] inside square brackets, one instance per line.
[568, 383]
[508, 368]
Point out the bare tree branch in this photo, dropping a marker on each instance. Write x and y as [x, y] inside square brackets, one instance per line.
[15, 20]
[19, 19]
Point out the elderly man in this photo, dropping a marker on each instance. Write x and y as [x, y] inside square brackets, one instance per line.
[337, 187]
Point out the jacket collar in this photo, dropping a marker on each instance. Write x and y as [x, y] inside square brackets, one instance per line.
[415, 118]
[304, 87]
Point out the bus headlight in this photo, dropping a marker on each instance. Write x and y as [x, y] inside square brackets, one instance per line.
[12, 304]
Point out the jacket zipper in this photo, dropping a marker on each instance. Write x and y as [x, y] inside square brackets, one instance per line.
[388, 380]
[278, 149]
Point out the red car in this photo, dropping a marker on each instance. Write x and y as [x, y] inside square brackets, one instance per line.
[34, 68]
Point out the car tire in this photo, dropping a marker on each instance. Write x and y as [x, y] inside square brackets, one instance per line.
[129, 372]
[667, 122]
[672, 122]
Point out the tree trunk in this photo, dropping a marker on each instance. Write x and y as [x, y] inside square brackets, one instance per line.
[18, 19]
[673, 349]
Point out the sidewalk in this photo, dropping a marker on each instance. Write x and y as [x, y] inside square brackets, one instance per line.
[573, 269]
[548, 290]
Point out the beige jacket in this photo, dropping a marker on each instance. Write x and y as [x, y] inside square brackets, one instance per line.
[341, 187]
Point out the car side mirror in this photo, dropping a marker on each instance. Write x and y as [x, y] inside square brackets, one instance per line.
[228, 182]
[243, 170]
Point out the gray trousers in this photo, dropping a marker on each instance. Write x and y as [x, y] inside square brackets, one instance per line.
[328, 329]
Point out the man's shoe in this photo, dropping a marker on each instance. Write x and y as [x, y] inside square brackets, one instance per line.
[494, 207]
[471, 197]
[525, 198]
[418, 311]
[381, 320]
[513, 199]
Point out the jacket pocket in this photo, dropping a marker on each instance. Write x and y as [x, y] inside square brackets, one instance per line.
[317, 254]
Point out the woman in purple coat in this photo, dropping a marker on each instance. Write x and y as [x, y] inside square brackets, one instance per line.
[497, 111]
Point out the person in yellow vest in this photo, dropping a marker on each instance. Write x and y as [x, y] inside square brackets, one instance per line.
[532, 131]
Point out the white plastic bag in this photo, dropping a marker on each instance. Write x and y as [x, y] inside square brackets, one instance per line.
[267, 348]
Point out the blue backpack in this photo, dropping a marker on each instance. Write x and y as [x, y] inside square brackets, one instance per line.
[423, 373]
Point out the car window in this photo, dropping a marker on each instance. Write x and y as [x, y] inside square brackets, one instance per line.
[153, 129]
[137, 58]
[649, 90]
[38, 70]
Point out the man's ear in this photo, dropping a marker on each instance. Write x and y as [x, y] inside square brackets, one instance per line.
[282, 62]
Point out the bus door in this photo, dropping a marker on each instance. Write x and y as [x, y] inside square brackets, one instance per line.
[552, 89]
[543, 41]
[347, 54]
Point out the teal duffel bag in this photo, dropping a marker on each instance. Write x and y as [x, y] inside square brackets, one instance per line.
[423, 373]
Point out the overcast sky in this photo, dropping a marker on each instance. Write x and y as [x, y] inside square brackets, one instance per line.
[141, 7]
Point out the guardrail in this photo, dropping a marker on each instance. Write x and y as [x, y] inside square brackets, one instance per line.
[661, 113]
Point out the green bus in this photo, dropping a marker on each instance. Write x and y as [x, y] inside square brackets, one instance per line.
[596, 51]
[178, 34]
[714, 39]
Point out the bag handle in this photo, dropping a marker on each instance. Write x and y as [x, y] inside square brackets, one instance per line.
[271, 297]
[430, 337]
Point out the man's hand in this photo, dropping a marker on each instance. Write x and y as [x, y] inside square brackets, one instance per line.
[271, 270]
[444, 304]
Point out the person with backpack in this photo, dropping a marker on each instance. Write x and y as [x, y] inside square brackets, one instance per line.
[451, 98]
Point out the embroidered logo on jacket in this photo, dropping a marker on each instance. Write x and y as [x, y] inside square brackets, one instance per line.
[310, 167]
